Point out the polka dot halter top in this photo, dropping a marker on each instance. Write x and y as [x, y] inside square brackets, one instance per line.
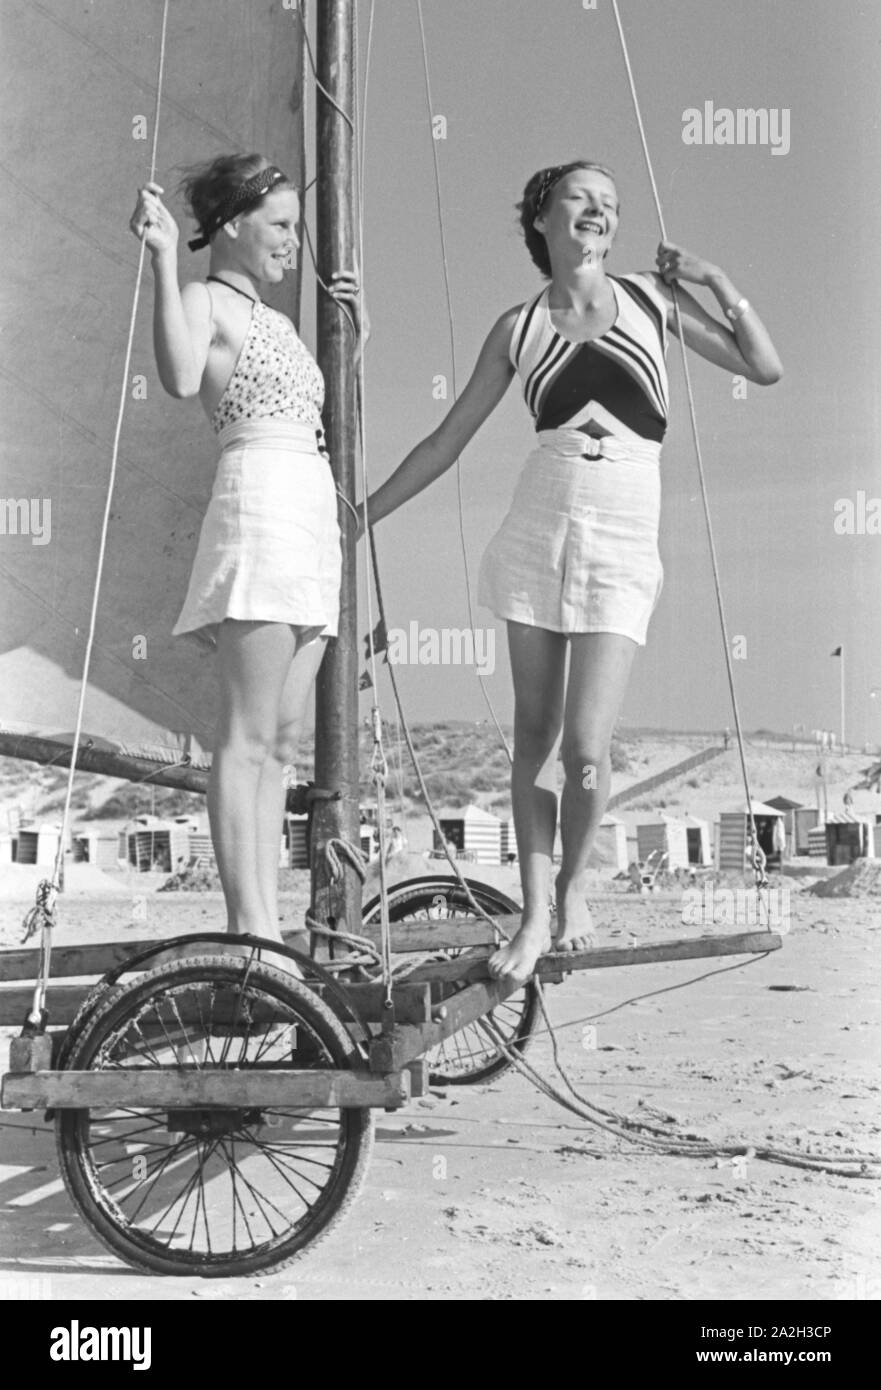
[275, 378]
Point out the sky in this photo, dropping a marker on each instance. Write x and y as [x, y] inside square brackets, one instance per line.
[522, 85]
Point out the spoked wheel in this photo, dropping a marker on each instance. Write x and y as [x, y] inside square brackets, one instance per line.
[470, 1055]
[212, 1191]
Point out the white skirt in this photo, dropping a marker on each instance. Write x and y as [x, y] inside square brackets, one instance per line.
[578, 550]
[269, 547]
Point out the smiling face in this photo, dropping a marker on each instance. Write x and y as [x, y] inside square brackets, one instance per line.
[265, 239]
[579, 218]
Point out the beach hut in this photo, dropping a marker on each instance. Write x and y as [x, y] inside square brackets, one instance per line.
[609, 846]
[295, 842]
[97, 847]
[817, 842]
[35, 844]
[666, 835]
[732, 835]
[477, 835]
[507, 839]
[851, 836]
[152, 843]
[697, 831]
[799, 821]
[202, 849]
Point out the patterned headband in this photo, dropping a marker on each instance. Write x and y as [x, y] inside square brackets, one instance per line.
[548, 179]
[242, 199]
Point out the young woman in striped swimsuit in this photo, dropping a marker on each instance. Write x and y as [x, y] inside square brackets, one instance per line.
[265, 584]
[574, 568]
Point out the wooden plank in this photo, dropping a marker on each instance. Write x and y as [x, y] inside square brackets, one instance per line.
[62, 1002]
[182, 1088]
[469, 968]
[439, 936]
[404, 1043]
[412, 1002]
[95, 959]
[401, 1045]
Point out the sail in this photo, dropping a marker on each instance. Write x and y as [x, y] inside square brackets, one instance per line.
[76, 122]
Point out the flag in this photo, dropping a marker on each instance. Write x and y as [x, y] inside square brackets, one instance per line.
[837, 652]
[380, 641]
[365, 682]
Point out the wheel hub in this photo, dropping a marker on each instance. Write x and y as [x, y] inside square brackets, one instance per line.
[213, 1122]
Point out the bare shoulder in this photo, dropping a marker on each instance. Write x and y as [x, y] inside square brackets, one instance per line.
[197, 294]
[654, 282]
[196, 299]
[500, 334]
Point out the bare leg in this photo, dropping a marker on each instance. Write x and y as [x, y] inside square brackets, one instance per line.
[253, 663]
[538, 666]
[270, 790]
[599, 668]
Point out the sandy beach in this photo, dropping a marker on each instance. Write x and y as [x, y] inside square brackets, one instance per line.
[493, 1192]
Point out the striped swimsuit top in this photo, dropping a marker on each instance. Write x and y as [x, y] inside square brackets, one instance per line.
[615, 384]
[275, 378]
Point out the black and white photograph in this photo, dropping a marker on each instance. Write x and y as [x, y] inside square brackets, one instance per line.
[440, 665]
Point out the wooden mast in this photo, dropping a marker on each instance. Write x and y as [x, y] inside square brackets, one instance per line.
[336, 723]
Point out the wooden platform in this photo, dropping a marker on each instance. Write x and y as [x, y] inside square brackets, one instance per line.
[437, 1000]
[178, 1088]
[74, 969]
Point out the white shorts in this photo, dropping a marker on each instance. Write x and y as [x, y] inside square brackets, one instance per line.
[269, 547]
[578, 550]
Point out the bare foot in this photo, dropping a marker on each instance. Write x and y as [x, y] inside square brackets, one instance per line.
[517, 959]
[575, 931]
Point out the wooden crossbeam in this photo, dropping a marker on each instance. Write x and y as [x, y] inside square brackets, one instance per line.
[441, 935]
[481, 994]
[95, 959]
[473, 967]
[180, 1088]
[407, 1041]
[412, 1002]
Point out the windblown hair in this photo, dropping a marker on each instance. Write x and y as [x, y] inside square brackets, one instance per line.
[206, 187]
[536, 196]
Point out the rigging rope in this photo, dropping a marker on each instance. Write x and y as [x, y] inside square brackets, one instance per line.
[43, 915]
[650, 1136]
[372, 564]
[452, 328]
[758, 859]
[612, 1122]
[378, 762]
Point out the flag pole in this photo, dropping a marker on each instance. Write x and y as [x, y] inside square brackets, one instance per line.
[841, 674]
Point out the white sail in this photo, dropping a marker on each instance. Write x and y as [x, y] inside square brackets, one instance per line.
[76, 121]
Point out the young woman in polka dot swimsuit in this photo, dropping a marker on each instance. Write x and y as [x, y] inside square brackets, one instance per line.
[264, 589]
